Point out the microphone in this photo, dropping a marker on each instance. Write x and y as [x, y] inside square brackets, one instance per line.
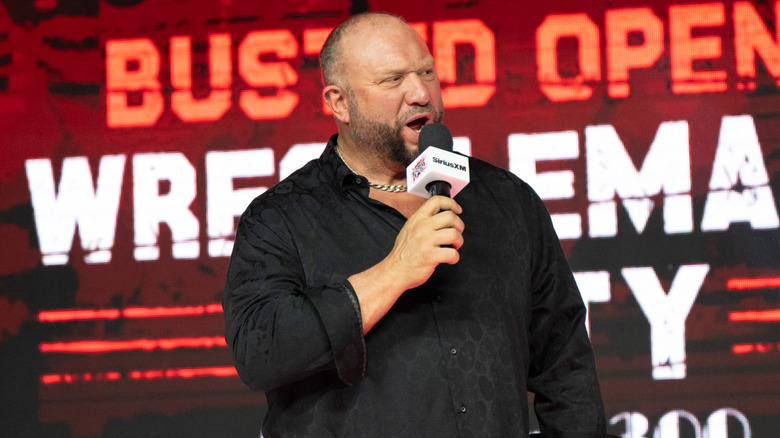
[437, 170]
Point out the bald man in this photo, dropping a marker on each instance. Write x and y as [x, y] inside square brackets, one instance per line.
[364, 311]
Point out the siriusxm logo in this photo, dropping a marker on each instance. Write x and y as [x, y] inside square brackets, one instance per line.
[460, 167]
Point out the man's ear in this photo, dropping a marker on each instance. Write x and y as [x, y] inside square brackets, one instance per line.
[336, 99]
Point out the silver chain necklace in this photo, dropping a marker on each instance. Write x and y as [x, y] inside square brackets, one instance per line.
[395, 189]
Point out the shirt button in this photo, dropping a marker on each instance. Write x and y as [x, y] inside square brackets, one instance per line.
[454, 351]
[462, 409]
[438, 298]
[359, 180]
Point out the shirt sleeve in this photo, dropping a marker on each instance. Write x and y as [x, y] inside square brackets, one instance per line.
[278, 329]
[562, 372]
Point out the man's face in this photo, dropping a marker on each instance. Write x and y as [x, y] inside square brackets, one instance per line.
[393, 92]
[388, 139]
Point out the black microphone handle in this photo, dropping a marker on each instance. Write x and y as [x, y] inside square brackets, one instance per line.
[439, 188]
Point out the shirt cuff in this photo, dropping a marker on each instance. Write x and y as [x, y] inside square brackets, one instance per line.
[339, 312]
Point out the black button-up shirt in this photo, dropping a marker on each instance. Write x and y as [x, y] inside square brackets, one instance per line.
[453, 357]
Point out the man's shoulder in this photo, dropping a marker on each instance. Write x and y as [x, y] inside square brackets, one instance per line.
[313, 176]
[483, 166]
[493, 177]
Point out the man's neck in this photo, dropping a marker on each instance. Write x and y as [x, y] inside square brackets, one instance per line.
[371, 164]
[379, 170]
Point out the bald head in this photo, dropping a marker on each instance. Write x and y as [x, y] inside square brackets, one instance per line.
[332, 59]
[381, 85]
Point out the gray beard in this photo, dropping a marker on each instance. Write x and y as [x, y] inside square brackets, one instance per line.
[383, 138]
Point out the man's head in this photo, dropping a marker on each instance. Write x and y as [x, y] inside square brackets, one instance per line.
[381, 84]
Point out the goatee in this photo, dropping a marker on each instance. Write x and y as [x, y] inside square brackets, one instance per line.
[386, 139]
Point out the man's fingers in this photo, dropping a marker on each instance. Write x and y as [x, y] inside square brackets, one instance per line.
[431, 236]
[447, 219]
[448, 237]
[448, 255]
[439, 203]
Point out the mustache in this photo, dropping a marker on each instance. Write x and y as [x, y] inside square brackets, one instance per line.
[420, 109]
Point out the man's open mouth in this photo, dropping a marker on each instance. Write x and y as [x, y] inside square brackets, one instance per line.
[416, 123]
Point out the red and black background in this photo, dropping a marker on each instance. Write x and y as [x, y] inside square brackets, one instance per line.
[121, 344]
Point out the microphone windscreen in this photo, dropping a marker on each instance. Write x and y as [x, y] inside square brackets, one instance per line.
[436, 135]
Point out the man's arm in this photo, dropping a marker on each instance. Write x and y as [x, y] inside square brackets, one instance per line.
[431, 236]
[563, 371]
[280, 330]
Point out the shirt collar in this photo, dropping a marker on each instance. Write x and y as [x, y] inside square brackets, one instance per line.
[344, 178]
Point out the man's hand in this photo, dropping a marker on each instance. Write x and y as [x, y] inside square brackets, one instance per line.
[432, 235]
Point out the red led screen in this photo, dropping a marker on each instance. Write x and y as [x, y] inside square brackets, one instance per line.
[133, 133]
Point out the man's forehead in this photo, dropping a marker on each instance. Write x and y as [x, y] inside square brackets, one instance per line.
[376, 28]
[380, 43]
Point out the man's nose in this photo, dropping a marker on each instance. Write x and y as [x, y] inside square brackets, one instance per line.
[417, 92]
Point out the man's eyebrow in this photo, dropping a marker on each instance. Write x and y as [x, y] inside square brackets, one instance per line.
[392, 72]
[429, 64]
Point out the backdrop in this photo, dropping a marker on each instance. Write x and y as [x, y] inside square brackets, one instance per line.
[134, 133]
